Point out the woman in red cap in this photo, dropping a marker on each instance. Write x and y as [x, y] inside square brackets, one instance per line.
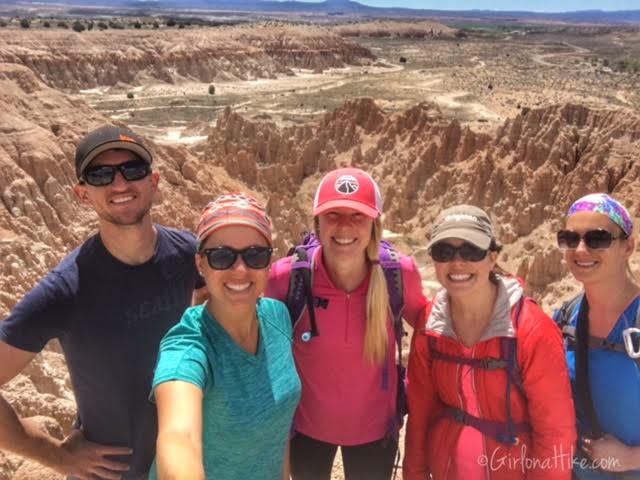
[347, 335]
[489, 395]
[225, 384]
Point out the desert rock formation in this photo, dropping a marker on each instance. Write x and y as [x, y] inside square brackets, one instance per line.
[526, 175]
[69, 60]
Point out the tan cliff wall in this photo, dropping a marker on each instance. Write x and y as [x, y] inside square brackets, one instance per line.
[70, 60]
[526, 175]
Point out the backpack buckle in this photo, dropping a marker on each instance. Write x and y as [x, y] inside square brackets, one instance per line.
[631, 338]
[459, 416]
[493, 363]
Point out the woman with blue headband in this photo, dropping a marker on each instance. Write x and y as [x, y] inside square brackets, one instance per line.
[602, 338]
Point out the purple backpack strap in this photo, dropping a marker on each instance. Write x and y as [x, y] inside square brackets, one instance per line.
[504, 432]
[299, 295]
[509, 352]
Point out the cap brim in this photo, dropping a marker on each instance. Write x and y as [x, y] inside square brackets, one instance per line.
[139, 150]
[479, 239]
[342, 203]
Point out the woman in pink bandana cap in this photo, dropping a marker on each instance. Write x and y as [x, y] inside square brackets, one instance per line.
[225, 383]
[602, 337]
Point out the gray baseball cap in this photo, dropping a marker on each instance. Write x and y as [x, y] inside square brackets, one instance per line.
[108, 137]
[465, 222]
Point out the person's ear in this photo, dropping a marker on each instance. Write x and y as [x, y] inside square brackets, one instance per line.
[155, 179]
[81, 193]
[199, 264]
[629, 246]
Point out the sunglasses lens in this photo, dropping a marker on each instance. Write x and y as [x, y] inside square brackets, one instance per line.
[257, 257]
[471, 253]
[568, 239]
[99, 176]
[221, 258]
[594, 239]
[442, 252]
[136, 170]
[598, 239]
[105, 174]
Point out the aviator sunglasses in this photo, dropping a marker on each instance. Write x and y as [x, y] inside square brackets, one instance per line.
[598, 239]
[223, 258]
[102, 175]
[445, 252]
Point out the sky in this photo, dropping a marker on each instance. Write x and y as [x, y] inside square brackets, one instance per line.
[526, 5]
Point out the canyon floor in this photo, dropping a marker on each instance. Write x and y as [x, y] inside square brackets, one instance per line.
[481, 80]
[520, 120]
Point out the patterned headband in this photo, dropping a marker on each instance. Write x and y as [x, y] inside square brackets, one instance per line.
[606, 205]
[233, 209]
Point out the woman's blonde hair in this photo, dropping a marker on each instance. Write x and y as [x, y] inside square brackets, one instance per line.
[376, 336]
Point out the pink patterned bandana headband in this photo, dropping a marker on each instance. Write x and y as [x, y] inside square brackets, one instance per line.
[606, 205]
[233, 209]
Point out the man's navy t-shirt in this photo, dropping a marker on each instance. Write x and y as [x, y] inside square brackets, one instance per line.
[110, 318]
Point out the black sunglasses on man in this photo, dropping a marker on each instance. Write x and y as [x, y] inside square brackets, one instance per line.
[103, 175]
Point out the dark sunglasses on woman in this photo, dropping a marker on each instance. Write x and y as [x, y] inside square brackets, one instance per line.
[103, 175]
[223, 257]
[598, 239]
[445, 252]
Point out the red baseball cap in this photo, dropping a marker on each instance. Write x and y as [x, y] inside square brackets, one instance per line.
[348, 188]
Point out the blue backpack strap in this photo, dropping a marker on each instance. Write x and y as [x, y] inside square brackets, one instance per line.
[562, 316]
[569, 309]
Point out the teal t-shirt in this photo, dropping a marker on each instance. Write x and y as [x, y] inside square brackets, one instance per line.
[249, 400]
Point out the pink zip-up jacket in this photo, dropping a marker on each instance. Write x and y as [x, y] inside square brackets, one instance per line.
[343, 401]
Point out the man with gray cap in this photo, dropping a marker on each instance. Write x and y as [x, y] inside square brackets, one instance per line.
[109, 302]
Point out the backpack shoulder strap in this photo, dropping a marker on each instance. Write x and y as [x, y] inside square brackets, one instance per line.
[299, 295]
[509, 345]
[390, 263]
[509, 354]
[583, 386]
[562, 316]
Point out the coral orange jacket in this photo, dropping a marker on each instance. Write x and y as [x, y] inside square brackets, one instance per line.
[432, 439]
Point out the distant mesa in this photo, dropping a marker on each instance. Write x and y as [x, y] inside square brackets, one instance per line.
[336, 7]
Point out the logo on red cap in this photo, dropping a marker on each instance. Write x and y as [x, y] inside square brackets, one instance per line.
[347, 184]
